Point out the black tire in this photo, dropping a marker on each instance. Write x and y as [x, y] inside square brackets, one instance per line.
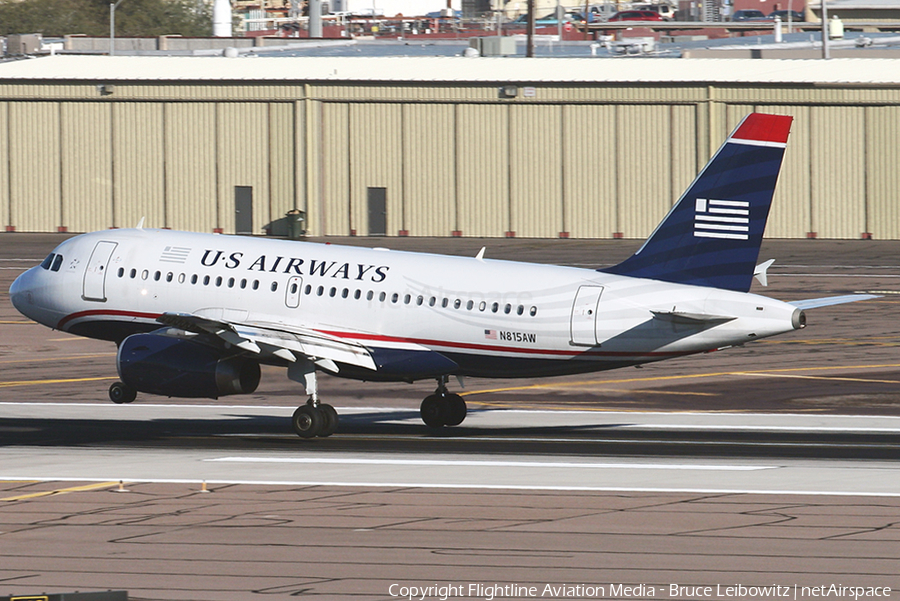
[307, 421]
[457, 410]
[434, 410]
[329, 420]
[120, 393]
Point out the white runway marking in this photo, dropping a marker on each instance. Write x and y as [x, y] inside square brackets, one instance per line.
[489, 463]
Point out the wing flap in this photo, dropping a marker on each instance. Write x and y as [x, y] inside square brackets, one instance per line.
[276, 340]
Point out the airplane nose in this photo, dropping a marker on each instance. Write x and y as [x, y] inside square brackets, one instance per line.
[20, 293]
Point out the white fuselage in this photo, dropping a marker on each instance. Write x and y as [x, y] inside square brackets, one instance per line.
[493, 318]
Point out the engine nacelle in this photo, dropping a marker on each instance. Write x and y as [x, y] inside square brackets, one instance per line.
[177, 367]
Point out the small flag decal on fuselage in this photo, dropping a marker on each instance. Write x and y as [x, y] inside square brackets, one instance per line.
[490, 334]
[722, 219]
[175, 254]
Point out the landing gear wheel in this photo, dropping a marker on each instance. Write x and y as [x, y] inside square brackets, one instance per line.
[434, 410]
[329, 420]
[121, 393]
[307, 421]
[456, 410]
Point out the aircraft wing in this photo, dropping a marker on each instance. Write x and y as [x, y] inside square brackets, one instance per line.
[278, 340]
[815, 303]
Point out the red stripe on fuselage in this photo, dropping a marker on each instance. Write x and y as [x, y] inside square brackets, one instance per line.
[108, 312]
[358, 336]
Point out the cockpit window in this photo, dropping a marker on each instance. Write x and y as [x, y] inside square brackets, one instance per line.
[48, 261]
[57, 263]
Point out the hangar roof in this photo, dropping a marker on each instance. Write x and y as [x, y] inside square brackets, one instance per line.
[839, 71]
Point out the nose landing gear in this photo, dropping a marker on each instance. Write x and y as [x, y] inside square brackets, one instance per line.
[119, 393]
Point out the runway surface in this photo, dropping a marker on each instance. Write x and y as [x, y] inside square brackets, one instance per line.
[775, 464]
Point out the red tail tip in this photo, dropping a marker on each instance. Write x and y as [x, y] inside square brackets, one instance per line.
[760, 127]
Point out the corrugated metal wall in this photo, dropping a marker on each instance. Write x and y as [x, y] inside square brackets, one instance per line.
[584, 162]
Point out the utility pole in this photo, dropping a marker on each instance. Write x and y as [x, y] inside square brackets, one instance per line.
[825, 33]
[529, 45]
[112, 27]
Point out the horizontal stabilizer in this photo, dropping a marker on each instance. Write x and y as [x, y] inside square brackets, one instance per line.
[815, 303]
[691, 318]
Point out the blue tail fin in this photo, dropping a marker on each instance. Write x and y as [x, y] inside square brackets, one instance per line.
[711, 237]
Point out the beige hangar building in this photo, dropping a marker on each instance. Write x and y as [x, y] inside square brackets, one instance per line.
[481, 147]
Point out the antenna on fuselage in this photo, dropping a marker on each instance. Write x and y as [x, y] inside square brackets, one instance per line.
[140, 224]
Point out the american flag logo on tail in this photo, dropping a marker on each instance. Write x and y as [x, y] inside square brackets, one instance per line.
[729, 219]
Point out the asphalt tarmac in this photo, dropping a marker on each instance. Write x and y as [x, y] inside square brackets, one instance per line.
[774, 464]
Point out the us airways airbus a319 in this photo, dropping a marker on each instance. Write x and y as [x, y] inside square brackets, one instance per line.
[195, 315]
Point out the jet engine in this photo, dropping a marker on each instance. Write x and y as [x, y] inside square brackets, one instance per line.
[176, 367]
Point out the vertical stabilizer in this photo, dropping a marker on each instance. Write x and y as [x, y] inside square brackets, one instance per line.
[711, 237]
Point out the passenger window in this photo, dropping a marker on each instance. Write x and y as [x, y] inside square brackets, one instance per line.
[507, 309]
[169, 277]
[320, 290]
[206, 280]
[520, 310]
[495, 307]
[274, 286]
[231, 282]
[256, 284]
[308, 289]
[469, 305]
[121, 272]
[218, 281]
[382, 296]
[294, 288]
[345, 293]
[181, 277]
[445, 302]
[57, 263]
[533, 311]
[406, 299]
[243, 284]
[431, 301]
[133, 274]
[482, 306]
[457, 303]
[145, 274]
[370, 295]
[395, 297]
[357, 294]
[157, 275]
[420, 300]
[332, 292]
[194, 279]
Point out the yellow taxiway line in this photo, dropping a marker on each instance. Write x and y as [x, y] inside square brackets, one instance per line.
[61, 491]
[59, 381]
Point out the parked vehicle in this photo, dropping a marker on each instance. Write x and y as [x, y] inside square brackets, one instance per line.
[635, 15]
[666, 11]
[749, 14]
[795, 15]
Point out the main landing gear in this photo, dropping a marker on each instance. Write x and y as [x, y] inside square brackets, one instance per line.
[443, 408]
[314, 418]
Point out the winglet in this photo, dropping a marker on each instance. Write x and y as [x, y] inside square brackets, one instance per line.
[712, 235]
